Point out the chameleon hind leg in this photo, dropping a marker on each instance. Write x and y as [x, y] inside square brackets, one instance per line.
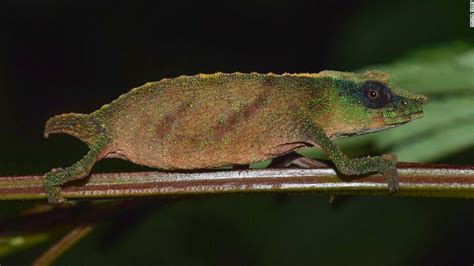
[58, 177]
[294, 158]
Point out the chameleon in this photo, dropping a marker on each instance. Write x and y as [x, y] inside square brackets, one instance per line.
[223, 119]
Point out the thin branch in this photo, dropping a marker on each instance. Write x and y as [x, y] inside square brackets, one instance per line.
[63, 245]
[424, 180]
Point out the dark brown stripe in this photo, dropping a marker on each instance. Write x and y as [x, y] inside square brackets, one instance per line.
[244, 113]
[168, 121]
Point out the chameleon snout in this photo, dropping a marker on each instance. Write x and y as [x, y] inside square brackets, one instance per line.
[421, 99]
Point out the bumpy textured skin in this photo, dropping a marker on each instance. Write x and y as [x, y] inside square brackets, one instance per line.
[207, 121]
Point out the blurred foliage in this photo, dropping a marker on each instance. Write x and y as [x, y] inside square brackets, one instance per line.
[380, 31]
[9, 245]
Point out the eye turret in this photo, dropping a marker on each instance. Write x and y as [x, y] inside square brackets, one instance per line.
[375, 95]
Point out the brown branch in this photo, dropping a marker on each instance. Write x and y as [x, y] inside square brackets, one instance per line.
[425, 180]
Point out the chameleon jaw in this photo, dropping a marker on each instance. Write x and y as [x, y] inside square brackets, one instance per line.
[416, 115]
[402, 119]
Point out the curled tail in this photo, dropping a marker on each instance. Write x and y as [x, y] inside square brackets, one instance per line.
[81, 126]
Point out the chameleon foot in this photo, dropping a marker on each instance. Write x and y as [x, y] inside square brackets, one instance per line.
[57, 177]
[53, 192]
[385, 164]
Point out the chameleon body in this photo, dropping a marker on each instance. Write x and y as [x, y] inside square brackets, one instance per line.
[207, 121]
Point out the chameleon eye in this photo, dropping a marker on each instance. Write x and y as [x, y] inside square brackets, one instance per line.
[375, 95]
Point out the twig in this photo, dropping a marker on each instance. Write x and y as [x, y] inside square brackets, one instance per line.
[63, 245]
[424, 180]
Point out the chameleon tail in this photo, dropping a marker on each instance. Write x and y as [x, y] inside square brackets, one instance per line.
[81, 126]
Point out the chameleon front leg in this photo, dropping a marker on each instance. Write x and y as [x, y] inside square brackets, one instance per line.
[58, 177]
[385, 164]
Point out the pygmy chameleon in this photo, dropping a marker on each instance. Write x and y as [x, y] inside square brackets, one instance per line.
[207, 121]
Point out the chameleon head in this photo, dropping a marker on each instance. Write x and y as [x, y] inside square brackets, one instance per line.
[370, 102]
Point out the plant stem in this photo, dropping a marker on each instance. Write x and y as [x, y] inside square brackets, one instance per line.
[63, 245]
[416, 180]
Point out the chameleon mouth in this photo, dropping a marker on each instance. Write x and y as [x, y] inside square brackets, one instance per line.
[408, 117]
[405, 118]
[417, 115]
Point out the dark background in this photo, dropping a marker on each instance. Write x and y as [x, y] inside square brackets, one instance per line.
[75, 56]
